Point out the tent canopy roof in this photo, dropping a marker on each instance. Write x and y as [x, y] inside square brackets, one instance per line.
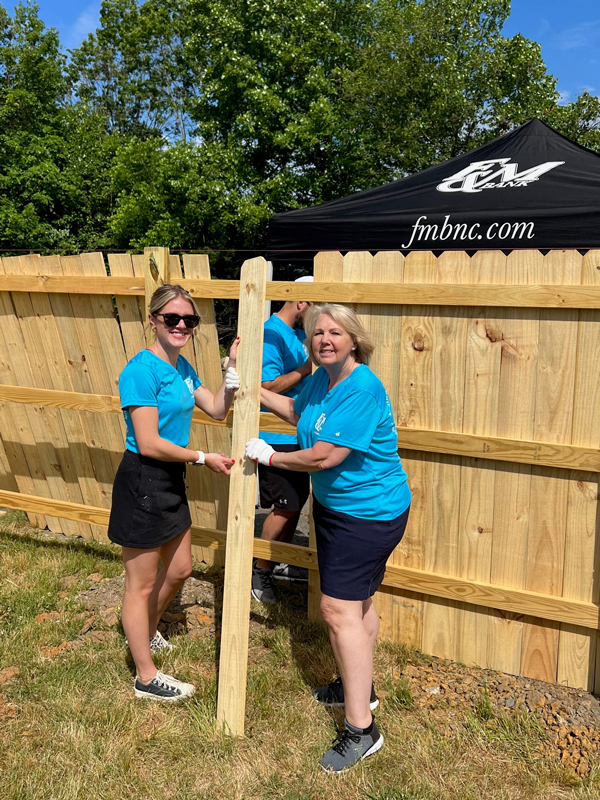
[532, 188]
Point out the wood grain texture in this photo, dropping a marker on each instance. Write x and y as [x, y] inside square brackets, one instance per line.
[524, 296]
[18, 438]
[553, 419]
[476, 515]
[36, 361]
[212, 494]
[447, 410]
[576, 646]
[414, 411]
[516, 408]
[233, 658]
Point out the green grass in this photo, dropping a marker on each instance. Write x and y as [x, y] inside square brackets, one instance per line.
[75, 730]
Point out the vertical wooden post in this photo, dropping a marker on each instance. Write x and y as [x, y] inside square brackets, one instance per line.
[233, 660]
[156, 272]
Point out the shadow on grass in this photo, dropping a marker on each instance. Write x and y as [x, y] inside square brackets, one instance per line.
[57, 541]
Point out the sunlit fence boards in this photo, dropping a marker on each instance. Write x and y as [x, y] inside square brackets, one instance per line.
[491, 363]
[72, 341]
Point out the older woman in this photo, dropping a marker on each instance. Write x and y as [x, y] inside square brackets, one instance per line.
[150, 517]
[361, 502]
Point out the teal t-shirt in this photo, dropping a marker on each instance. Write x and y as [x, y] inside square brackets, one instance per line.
[283, 351]
[371, 482]
[147, 380]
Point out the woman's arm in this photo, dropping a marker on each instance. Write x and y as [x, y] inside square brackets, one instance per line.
[323, 455]
[217, 405]
[145, 426]
[279, 404]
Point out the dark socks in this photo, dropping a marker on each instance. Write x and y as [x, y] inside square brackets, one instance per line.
[362, 731]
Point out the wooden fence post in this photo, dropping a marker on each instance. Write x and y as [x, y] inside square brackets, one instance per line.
[233, 660]
[156, 272]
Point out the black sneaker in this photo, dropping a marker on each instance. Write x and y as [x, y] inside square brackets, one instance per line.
[333, 695]
[350, 747]
[288, 572]
[262, 585]
[163, 687]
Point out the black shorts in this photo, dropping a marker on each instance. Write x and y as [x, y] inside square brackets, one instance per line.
[149, 506]
[353, 552]
[285, 489]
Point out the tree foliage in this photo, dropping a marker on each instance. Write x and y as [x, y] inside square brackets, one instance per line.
[189, 122]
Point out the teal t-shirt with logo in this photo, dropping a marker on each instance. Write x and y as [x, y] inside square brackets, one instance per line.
[371, 482]
[283, 351]
[147, 380]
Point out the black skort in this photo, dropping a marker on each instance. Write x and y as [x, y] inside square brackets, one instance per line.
[285, 489]
[353, 552]
[149, 505]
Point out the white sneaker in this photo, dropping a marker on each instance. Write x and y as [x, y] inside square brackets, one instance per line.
[158, 643]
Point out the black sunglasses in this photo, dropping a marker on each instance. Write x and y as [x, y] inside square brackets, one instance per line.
[172, 320]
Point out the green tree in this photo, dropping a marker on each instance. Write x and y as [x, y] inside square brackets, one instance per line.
[133, 69]
[438, 79]
[579, 120]
[53, 153]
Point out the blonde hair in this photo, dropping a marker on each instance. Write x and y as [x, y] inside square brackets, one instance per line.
[346, 319]
[167, 292]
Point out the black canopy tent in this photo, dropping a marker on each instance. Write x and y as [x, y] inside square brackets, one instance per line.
[530, 189]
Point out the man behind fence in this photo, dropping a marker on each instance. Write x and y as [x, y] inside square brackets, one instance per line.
[285, 370]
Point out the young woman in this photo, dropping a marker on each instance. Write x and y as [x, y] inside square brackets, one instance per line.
[361, 502]
[150, 517]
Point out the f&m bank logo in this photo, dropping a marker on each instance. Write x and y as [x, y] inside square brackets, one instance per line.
[497, 173]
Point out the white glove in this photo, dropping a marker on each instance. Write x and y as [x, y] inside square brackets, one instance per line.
[260, 451]
[232, 379]
[200, 461]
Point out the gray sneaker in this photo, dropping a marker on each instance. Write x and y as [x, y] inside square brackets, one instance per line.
[262, 585]
[332, 695]
[350, 747]
[288, 572]
[164, 688]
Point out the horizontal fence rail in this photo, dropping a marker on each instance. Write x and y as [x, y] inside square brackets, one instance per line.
[496, 296]
[544, 454]
[522, 602]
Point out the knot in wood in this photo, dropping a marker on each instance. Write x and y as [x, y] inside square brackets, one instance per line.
[418, 341]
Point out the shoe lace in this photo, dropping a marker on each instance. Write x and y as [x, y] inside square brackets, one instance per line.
[342, 743]
[162, 681]
[265, 579]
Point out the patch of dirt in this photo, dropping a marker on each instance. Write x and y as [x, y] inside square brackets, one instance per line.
[7, 674]
[569, 719]
[192, 611]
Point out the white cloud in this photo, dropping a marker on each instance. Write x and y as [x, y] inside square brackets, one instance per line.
[586, 34]
[564, 97]
[86, 22]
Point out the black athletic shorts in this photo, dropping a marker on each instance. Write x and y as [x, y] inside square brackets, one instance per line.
[149, 506]
[352, 552]
[285, 489]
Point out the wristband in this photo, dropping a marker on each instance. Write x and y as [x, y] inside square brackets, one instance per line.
[201, 459]
[271, 458]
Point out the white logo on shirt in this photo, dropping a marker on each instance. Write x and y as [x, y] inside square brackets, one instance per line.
[320, 422]
[190, 384]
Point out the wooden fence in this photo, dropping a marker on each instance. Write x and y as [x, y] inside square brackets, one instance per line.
[491, 363]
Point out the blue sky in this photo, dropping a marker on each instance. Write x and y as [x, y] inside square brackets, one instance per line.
[569, 33]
